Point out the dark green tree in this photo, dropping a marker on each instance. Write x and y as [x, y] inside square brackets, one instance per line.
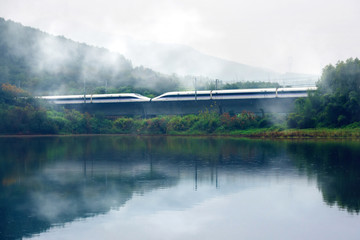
[335, 103]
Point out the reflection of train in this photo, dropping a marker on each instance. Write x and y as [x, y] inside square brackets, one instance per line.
[237, 94]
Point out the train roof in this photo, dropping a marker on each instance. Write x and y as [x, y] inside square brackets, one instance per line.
[117, 95]
[94, 96]
[257, 90]
[60, 97]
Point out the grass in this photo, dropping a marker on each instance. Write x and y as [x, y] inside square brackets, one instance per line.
[279, 133]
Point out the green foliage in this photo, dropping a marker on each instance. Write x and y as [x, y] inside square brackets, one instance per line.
[98, 124]
[157, 125]
[353, 125]
[59, 121]
[208, 121]
[244, 120]
[336, 103]
[179, 123]
[211, 85]
[124, 125]
[250, 84]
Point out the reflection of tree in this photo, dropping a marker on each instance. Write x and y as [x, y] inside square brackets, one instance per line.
[336, 167]
[47, 181]
[57, 196]
[54, 180]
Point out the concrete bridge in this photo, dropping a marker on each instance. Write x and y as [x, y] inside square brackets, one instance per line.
[149, 109]
[258, 101]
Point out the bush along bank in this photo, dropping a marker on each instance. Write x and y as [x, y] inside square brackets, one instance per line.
[204, 123]
[29, 118]
[246, 124]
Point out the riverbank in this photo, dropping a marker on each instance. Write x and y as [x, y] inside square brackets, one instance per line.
[281, 133]
[301, 133]
[270, 133]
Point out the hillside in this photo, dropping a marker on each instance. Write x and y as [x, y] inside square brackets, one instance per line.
[46, 64]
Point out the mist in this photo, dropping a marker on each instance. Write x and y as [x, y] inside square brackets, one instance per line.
[188, 62]
[266, 34]
[45, 64]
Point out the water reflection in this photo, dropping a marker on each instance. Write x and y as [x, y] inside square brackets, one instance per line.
[49, 181]
[335, 165]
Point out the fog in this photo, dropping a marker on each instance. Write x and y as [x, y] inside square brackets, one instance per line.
[43, 63]
[285, 36]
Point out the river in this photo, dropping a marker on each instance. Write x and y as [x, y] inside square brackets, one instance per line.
[125, 187]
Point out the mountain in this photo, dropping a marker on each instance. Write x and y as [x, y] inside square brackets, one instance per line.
[186, 61]
[45, 64]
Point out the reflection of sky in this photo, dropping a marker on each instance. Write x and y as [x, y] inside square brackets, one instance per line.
[246, 206]
[230, 189]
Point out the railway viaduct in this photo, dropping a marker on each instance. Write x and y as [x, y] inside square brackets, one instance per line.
[148, 109]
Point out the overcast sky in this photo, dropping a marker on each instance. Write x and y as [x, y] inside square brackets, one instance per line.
[283, 35]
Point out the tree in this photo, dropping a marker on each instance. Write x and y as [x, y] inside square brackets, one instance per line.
[337, 100]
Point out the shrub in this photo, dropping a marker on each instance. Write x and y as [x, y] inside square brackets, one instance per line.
[181, 123]
[157, 125]
[243, 120]
[207, 121]
[124, 124]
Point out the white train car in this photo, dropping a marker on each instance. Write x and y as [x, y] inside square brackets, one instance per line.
[235, 94]
[96, 98]
[183, 96]
[294, 92]
[244, 93]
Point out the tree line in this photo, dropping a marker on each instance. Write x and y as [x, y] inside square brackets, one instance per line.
[336, 103]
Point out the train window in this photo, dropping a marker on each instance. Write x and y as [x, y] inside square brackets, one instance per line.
[68, 99]
[186, 95]
[292, 91]
[242, 93]
[110, 98]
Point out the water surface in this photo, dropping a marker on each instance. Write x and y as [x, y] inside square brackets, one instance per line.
[116, 187]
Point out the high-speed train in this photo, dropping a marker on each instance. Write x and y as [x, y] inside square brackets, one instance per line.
[183, 96]
[235, 94]
[96, 98]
